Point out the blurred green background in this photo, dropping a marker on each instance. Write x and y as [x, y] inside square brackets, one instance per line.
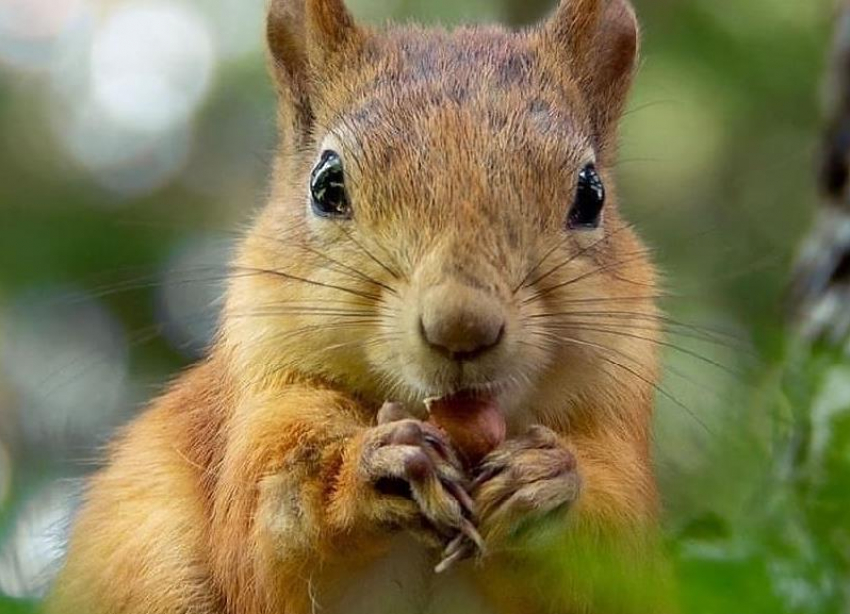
[135, 137]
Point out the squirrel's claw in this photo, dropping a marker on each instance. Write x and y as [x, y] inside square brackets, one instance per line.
[528, 477]
[413, 453]
[464, 546]
[457, 550]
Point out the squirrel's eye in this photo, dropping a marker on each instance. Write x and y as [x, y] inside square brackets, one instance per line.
[327, 187]
[589, 200]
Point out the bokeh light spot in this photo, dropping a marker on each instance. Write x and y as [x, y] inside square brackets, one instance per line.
[66, 360]
[31, 29]
[152, 64]
[31, 555]
[123, 160]
[236, 24]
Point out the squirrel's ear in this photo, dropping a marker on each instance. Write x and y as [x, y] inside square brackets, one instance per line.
[598, 42]
[305, 38]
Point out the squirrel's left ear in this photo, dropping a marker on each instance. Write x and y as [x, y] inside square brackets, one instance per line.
[307, 39]
[597, 41]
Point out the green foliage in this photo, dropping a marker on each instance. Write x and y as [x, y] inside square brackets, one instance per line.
[9, 606]
[789, 553]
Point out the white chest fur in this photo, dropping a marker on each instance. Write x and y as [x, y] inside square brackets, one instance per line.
[404, 582]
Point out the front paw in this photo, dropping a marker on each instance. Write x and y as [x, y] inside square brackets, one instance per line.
[523, 481]
[414, 480]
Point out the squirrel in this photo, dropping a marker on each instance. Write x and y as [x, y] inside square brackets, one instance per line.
[442, 233]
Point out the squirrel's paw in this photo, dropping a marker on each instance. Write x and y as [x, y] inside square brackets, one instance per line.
[522, 481]
[416, 481]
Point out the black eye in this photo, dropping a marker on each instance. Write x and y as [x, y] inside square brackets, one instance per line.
[327, 187]
[589, 200]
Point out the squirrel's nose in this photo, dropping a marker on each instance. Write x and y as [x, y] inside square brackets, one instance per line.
[461, 321]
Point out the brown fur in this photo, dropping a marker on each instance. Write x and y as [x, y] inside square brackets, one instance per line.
[241, 491]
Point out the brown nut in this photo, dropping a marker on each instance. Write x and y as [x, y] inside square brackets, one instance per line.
[474, 423]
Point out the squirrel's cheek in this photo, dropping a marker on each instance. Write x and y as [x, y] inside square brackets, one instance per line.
[585, 239]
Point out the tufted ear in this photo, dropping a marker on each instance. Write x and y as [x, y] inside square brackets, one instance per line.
[306, 38]
[598, 41]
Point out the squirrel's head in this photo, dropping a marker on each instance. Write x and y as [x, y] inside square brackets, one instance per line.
[443, 215]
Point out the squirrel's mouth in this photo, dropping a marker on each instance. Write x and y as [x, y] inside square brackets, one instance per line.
[464, 397]
[469, 391]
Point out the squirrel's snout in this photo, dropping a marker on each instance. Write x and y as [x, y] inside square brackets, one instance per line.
[461, 322]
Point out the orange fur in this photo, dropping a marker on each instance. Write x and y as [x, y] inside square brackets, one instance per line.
[242, 491]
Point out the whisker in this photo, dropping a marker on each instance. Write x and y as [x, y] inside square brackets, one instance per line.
[660, 389]
[571, 258]
[269, 313]
[546, 291]
[312, 282]
[345, 268]
[667, 369]
[155, 280]
[224, 272]
[625, 280]
[142, 282]
[353, 273]
[310, 328]
[595, 244]
[62, 376]
[374, 339]
[395, 274]
[667, 344]
[708, 334]
[616, 299]
[667, 329]
[647, 105]
[524, 282]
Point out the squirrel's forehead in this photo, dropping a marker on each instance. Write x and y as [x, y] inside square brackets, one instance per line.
[488, 80]
[415, 56]
[466, 60]
[479, 86]
[424, 120]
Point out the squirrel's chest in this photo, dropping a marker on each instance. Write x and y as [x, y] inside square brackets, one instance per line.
[403, 582]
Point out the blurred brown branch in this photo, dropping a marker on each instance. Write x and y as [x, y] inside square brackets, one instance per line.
[821, 286]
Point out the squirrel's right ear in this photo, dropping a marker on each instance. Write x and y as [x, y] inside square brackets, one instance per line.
[306, 38]
[597, 41]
